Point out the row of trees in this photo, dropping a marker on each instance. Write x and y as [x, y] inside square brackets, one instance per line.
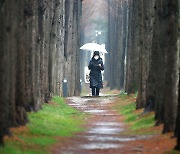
[143, 41]
[39, 47]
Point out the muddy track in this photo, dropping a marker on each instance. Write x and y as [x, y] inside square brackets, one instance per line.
[104, 130]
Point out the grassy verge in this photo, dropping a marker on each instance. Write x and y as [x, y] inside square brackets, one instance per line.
[138, 123]
[144, 124]
[55, 119]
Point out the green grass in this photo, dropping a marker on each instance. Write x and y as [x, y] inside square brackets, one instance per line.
[123, 95]
[57, 119]
[127, 111]
[135, 121]
[144, 122]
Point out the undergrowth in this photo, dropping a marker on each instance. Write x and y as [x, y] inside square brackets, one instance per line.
[55, 119]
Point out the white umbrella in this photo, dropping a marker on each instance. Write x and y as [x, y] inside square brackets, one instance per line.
[94, 47]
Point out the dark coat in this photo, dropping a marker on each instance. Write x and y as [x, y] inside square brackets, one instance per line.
[95, 73]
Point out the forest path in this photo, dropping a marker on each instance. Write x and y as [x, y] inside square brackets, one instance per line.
[104, 129]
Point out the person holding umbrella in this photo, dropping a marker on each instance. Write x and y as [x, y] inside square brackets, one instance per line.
[95, 67]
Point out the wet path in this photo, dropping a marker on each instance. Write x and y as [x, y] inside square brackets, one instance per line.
[103, 131]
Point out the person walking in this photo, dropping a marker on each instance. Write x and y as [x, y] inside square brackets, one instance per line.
[95, 67]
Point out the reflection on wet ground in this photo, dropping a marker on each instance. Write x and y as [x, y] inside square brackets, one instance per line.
[99, 146]
[104, 132]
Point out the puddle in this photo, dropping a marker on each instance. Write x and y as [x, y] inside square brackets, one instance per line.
[109, 138]
[95, 111]
[108, 124]
[78, 106]
[108, 114]
[82, 106]
[78, 99]
[75, 104]
[93, 146]
[105, 130]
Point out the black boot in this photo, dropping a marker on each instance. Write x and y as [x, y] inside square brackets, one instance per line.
[93, 91]
[97, 91]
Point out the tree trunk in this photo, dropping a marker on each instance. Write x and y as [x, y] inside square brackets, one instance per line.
[146, 28]
[12, 60]
[177, 130]
[112, 15]
[171, 80]
[57, 47]
[32, 56]
[132, 55]
[156, 79]
[71, 46]
[117, 30]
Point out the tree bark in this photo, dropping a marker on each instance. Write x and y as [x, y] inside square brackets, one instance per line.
[177, 130]
[117, 41]
[132, 55]
[172, 59]
[146, 29]
[32, 63]
[155, 88]
[12, 55]
[71, 46]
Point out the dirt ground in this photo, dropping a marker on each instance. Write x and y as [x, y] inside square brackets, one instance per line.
[104, 132]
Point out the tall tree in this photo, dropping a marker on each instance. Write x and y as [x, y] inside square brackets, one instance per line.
[71, 46]
[12, 77]
[117, 42]
[155, 88]
[177, 130]
[132, 54]
[146, 29]
[32, 56]
[170, 48]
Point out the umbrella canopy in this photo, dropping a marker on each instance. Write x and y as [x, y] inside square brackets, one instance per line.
[94, 47]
